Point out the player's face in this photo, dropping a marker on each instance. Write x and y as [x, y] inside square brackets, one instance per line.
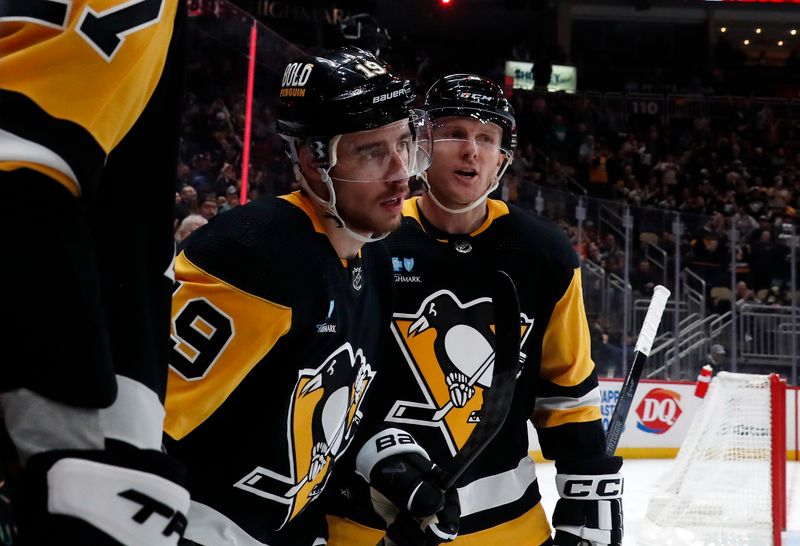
[371, 177]
[466, 158]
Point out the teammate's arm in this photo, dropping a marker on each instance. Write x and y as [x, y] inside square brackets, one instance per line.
[79, 92]
[567, 418]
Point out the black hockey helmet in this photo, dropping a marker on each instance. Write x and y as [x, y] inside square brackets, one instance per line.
[363, 30]
[325, 98]
[343, 91]
[468, 95]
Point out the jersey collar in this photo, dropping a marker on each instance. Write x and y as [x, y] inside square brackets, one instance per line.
[496, 209]
[302, 201]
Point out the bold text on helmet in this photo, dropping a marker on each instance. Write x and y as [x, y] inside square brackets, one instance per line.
[296, 74]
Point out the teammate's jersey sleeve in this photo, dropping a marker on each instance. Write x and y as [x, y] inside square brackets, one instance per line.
[566, 361]
[220, 333]
[53, 118]
[567, 409]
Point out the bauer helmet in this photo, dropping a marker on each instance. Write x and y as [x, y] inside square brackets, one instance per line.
[347, 90]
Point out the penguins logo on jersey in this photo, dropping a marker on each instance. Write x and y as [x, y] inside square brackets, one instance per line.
[449, 347]
[324, 412]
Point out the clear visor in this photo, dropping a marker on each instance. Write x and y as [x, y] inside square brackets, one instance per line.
[396, 151]
[469, 130]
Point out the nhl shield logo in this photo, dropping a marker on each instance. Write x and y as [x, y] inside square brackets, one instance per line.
[358, 279]
[449, 347]
[323, 413]
[464, 247]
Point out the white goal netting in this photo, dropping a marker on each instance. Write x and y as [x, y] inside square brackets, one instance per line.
[719, 490]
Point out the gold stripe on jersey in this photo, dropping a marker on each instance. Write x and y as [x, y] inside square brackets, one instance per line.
[58, 176]
[410, 208]
[346, 532]
[566, 359]
[303, 202]
[554, 418]
[530, 529]
[62, 71]
[495, 209]
[257, 326]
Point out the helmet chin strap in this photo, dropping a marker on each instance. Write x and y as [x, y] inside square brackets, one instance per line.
[329, 206]
[476, 203]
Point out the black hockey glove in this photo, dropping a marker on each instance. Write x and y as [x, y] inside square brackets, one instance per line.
[403, 493]
[129, 497]
[589, 512]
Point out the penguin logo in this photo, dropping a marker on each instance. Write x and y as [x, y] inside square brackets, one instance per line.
[449, 347]
[324, 412]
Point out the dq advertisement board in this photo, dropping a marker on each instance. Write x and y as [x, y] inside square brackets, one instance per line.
[660, 417]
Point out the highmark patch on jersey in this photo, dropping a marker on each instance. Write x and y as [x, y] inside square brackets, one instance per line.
[330, 402]
[449, 347]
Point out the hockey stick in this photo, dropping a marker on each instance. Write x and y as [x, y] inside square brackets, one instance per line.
[641, 352]
[412, 412]
[497, 399]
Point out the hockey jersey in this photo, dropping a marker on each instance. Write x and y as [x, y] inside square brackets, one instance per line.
[276, 343]
[439, 364]
[90, 98]
[53, 118]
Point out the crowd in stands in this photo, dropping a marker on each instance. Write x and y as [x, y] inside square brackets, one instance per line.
[739, 170]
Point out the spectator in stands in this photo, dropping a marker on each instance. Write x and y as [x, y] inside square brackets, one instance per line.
[201, 169]
[716, 225]
[767, 260]
[188, 225]
[741, 290]
[598, 171]
[209, 207]
[231, 199]
[228, 176]
[609, 248]
[557, 138]
[716, 357]
[643, 279]
[709, 259]
[187, 202]
[745, 223]
[606, 354]
[585, 153]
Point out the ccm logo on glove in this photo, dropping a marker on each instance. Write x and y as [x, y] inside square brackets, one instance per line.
[578, 487]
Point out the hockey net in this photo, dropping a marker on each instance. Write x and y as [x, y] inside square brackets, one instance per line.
[727, 486]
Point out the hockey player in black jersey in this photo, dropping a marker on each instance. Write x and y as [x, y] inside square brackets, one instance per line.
[451, 241]
[90, 103]
[278, 310]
